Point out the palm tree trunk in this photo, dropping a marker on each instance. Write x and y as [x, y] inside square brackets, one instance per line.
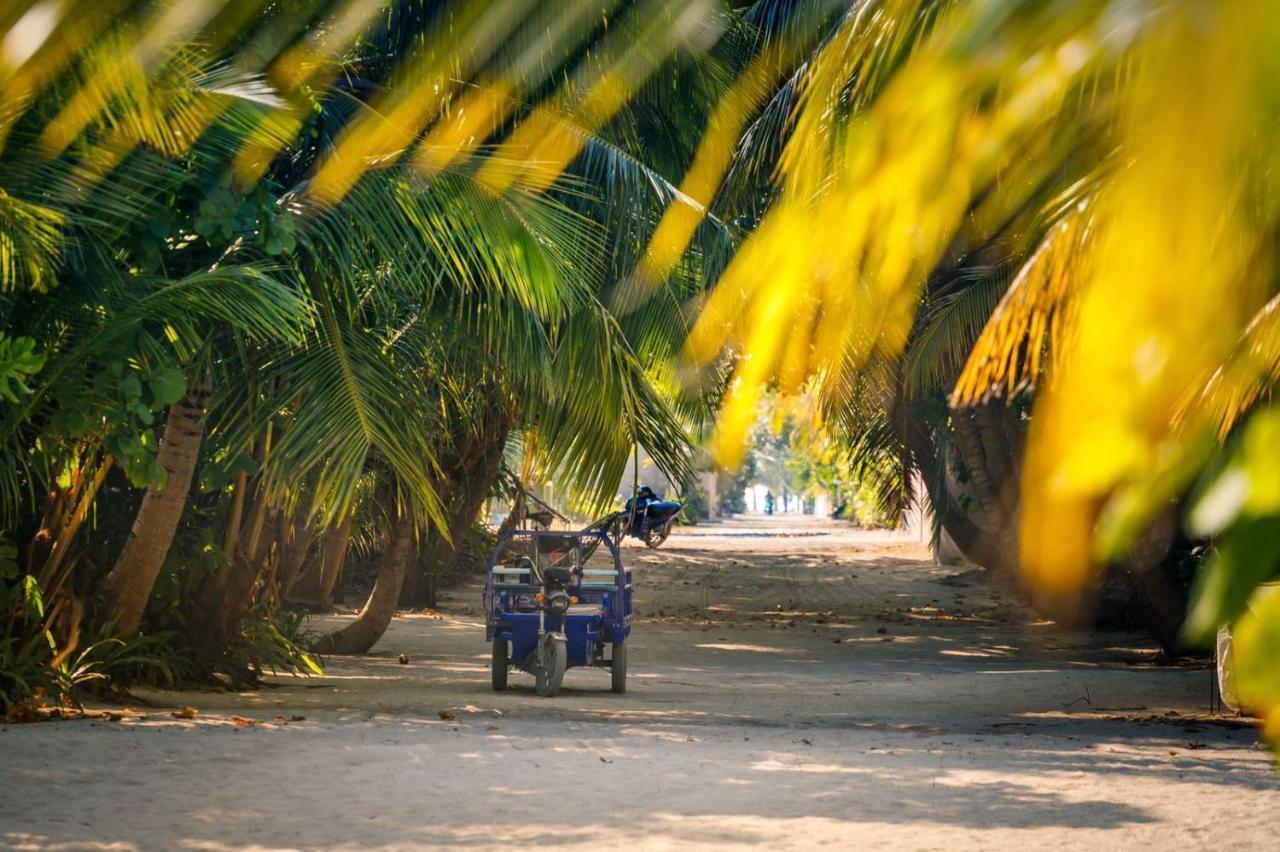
[246, 569]
[1163, 604]
[468, 485]
[995, 549]
[314, 587]
[363, 633]
[293, 556]
[335, 557]
[128, 586]
[473, 489]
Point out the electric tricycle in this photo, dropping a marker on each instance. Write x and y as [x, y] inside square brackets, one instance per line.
[549, 606]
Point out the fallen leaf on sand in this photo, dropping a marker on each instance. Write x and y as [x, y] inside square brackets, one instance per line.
[185, 713]
[242, 722]
[446, 715]
[603, 759]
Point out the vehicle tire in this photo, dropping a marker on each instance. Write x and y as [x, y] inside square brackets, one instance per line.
[657, 535]
[618, 668]
[498, 666]
[555, 659]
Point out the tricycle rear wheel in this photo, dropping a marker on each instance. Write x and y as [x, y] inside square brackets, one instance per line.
[499, 664]
[618, 668]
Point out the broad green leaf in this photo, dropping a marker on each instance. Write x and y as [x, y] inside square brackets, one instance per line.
[130, 388]
[18, 361]
[1256, 655]
[33, 597]
[168, 385]
[1260, 456]
[1221, 503]
[246, 464]
[1246, 555]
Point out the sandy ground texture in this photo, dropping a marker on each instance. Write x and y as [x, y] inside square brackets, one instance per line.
[793, 685]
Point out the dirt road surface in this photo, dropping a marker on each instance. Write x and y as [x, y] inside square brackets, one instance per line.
[792, 685]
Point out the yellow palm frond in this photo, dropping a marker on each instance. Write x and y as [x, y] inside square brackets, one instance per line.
[1029, 322]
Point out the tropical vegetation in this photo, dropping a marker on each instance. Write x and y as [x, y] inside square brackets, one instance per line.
[284, 279]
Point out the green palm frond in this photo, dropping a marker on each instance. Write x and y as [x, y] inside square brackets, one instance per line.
[31, 244]
[355, 403]
[948, 326]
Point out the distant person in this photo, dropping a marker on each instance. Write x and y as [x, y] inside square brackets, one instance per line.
[768, 503]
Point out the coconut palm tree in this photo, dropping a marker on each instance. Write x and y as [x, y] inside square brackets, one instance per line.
[1102, 171]
[259, 229]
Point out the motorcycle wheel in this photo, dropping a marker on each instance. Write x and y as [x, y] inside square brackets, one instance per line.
[555, 658]
[655, 536]
[498, 666]
[618, 668]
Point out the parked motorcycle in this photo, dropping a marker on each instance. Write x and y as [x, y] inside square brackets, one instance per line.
[648, 517]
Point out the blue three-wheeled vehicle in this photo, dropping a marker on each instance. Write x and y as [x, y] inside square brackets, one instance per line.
[555, 600]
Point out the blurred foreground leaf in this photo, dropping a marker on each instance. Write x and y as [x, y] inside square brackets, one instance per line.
[1257, 659]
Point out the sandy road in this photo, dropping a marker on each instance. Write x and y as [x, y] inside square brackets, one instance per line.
[792, 685]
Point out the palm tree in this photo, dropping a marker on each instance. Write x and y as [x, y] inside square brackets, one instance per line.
[218, 246]
[1097, 176]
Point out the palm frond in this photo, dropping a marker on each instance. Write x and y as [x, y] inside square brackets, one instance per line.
[31, 244]
[948, 325]
[1245, 379]
[1028, 324]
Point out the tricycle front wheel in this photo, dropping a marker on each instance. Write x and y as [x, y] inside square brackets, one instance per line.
[618, 668]
[499, 664]
[555, 659]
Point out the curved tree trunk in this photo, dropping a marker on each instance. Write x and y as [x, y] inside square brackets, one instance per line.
[315, 586]
[466, 485]
[246, 570]
[993, 424]
[363, 633]
[335, 559]
[293, 555]
[983, 541]
[1163, 604]
[128, 586]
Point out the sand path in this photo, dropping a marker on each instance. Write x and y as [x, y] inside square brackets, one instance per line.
[792, 684]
